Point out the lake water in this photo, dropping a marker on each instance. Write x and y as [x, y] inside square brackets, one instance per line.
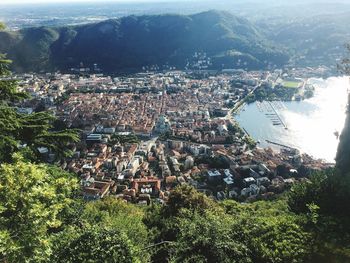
[310, 123]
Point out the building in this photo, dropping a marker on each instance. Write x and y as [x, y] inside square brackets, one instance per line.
[97, 190]
[214, 176]
[248, 181]
[189, 163]
[94, 138]
[162, 125]
[147, 185]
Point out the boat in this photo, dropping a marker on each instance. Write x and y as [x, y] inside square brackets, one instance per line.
[277, 123]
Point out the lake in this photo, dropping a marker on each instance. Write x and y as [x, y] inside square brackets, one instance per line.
[311, 124]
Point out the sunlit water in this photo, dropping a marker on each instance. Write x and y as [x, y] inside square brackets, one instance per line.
[311, 123]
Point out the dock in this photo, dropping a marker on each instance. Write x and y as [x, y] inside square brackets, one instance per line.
[245, 131]
[277, 119]
[281, 145]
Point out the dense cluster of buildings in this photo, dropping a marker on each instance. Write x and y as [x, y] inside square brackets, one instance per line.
[184, 135]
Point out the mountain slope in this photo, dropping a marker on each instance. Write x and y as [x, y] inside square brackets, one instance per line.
[317, 39]
[132, 42]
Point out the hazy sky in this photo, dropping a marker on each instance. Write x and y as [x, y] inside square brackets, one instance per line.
[7, 2]
[62, 1]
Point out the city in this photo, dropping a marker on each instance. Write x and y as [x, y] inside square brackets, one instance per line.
[143, 135]
[174, 131]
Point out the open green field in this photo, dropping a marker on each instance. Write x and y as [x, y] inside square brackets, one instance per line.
[291, 84]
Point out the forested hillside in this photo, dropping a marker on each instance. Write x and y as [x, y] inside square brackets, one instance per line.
[44, 219]
[134, 42]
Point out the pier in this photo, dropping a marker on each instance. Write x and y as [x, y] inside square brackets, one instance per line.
[281, 145]
[270, 109]
[276, 119]
[246, 132]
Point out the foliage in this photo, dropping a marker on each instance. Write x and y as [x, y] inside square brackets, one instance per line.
[116, 214]
[250, 142]
[209, 238]
[32, 131]
[115, 45]
[278, 92]
[228, 231]
[98, 245]
[124, 139]
[163, 222]
[328, 190]
[8, 86]
[27, 132]
[111, 225]
[31, 199]
[324, 203]
[306, 193]
[234, 128]
[186, 197]
[278, 239]
[216, 162]
[270, 231]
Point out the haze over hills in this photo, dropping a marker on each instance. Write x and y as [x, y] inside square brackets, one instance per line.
[301, 32]
[133, 42]
[314, 40]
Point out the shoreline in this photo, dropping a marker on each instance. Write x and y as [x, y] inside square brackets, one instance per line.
[324, 110]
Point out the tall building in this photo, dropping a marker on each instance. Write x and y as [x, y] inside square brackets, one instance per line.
[189, 163]
[162, 125]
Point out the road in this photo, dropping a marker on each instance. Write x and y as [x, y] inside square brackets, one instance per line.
[239, 104]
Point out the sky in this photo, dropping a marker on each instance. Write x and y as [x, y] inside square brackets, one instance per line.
[7, 2]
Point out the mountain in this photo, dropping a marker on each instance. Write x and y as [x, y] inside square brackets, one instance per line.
[133, 42]
[314, 40]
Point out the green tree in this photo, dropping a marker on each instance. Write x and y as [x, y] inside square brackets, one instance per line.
[306, 193]
[208, 238]
[205, 231]
[27, 132]
[329, 190]
[97, 245]
[124, 139]
[31, 199]
[270, 231]
[163, 221]
[8, 86]
[116, 214]
[187, 197]
[111, 230]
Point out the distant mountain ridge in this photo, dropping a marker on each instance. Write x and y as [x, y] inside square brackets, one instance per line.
[134, 42]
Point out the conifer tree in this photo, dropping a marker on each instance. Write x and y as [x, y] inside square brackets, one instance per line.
[27, 132]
